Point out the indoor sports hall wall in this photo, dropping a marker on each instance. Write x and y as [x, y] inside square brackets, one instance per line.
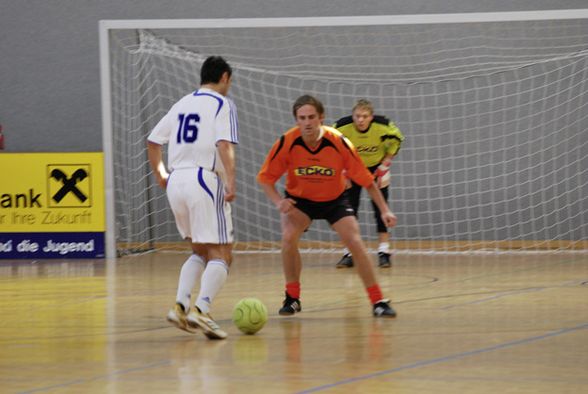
[50, 82]
[50, 88]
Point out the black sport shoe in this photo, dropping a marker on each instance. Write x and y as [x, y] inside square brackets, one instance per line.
[345, 262]
[291, 306]
[382, 308]
[384, 260]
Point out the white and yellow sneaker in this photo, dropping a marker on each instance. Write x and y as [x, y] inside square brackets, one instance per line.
[197, 319]
[178, 318]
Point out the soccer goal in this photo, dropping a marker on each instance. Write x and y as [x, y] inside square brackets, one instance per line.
[494, 108]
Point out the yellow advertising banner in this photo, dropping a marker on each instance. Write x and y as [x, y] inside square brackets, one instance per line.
[52, 192]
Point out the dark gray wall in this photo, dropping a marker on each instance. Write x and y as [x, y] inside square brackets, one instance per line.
[49, 56]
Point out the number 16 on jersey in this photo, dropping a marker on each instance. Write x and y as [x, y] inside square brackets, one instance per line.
[187, 128]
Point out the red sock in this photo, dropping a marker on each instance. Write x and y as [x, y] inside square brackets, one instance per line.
[375, 293]
[293, 289]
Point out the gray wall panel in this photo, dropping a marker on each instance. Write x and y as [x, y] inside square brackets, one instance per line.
[50, 84]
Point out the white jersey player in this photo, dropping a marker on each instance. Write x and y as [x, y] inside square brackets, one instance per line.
[192, 128]
[200, 130]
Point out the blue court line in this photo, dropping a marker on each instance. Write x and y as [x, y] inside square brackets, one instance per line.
[495, 297]
[81, 381]
[451, 357]
[515, 292]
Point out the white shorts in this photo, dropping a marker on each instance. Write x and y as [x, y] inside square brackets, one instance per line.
[197, 199]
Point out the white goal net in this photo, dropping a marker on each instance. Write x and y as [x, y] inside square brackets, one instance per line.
[494, 113]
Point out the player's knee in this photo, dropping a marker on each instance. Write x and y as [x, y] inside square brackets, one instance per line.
[290, 234]
[289, 242]
[355, 242]
[220, 252]
[352, 238]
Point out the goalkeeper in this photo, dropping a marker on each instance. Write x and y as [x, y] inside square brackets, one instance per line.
[377, 141]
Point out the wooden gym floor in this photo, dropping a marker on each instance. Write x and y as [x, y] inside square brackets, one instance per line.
[466, 324]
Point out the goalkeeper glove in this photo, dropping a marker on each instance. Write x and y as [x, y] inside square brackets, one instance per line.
[382, 173]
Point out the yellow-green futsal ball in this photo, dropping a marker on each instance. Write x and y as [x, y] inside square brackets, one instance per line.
[249, 315]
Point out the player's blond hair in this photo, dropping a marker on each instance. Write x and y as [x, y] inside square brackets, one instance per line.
[364, 104]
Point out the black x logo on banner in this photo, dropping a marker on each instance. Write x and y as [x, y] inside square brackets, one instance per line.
[69, 184]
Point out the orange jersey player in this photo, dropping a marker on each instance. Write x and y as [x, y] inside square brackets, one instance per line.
[314, 157]
[314, 174]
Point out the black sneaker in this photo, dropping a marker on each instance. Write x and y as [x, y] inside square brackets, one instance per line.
[382, 308]
[384, 260]
[291, 306]
[345, 262]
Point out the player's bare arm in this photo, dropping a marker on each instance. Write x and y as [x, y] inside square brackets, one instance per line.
[227, 155]
[284, 205]
[154, 153]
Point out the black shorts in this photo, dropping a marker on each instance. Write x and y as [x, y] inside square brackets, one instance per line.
[331, 211]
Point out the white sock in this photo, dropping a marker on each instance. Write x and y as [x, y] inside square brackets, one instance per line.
[346, 251]
[213, 279]
[189, 274]
[384, 247]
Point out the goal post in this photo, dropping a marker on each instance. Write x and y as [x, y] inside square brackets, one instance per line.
[494, 108]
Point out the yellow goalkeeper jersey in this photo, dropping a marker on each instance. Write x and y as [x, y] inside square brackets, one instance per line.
[380, 139]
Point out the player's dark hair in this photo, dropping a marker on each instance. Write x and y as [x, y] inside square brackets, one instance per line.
[213, 69]
[308, 100]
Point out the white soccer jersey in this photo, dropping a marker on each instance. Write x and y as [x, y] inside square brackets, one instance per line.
[193, 126]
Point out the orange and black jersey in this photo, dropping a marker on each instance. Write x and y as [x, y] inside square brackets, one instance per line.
[314, 174]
